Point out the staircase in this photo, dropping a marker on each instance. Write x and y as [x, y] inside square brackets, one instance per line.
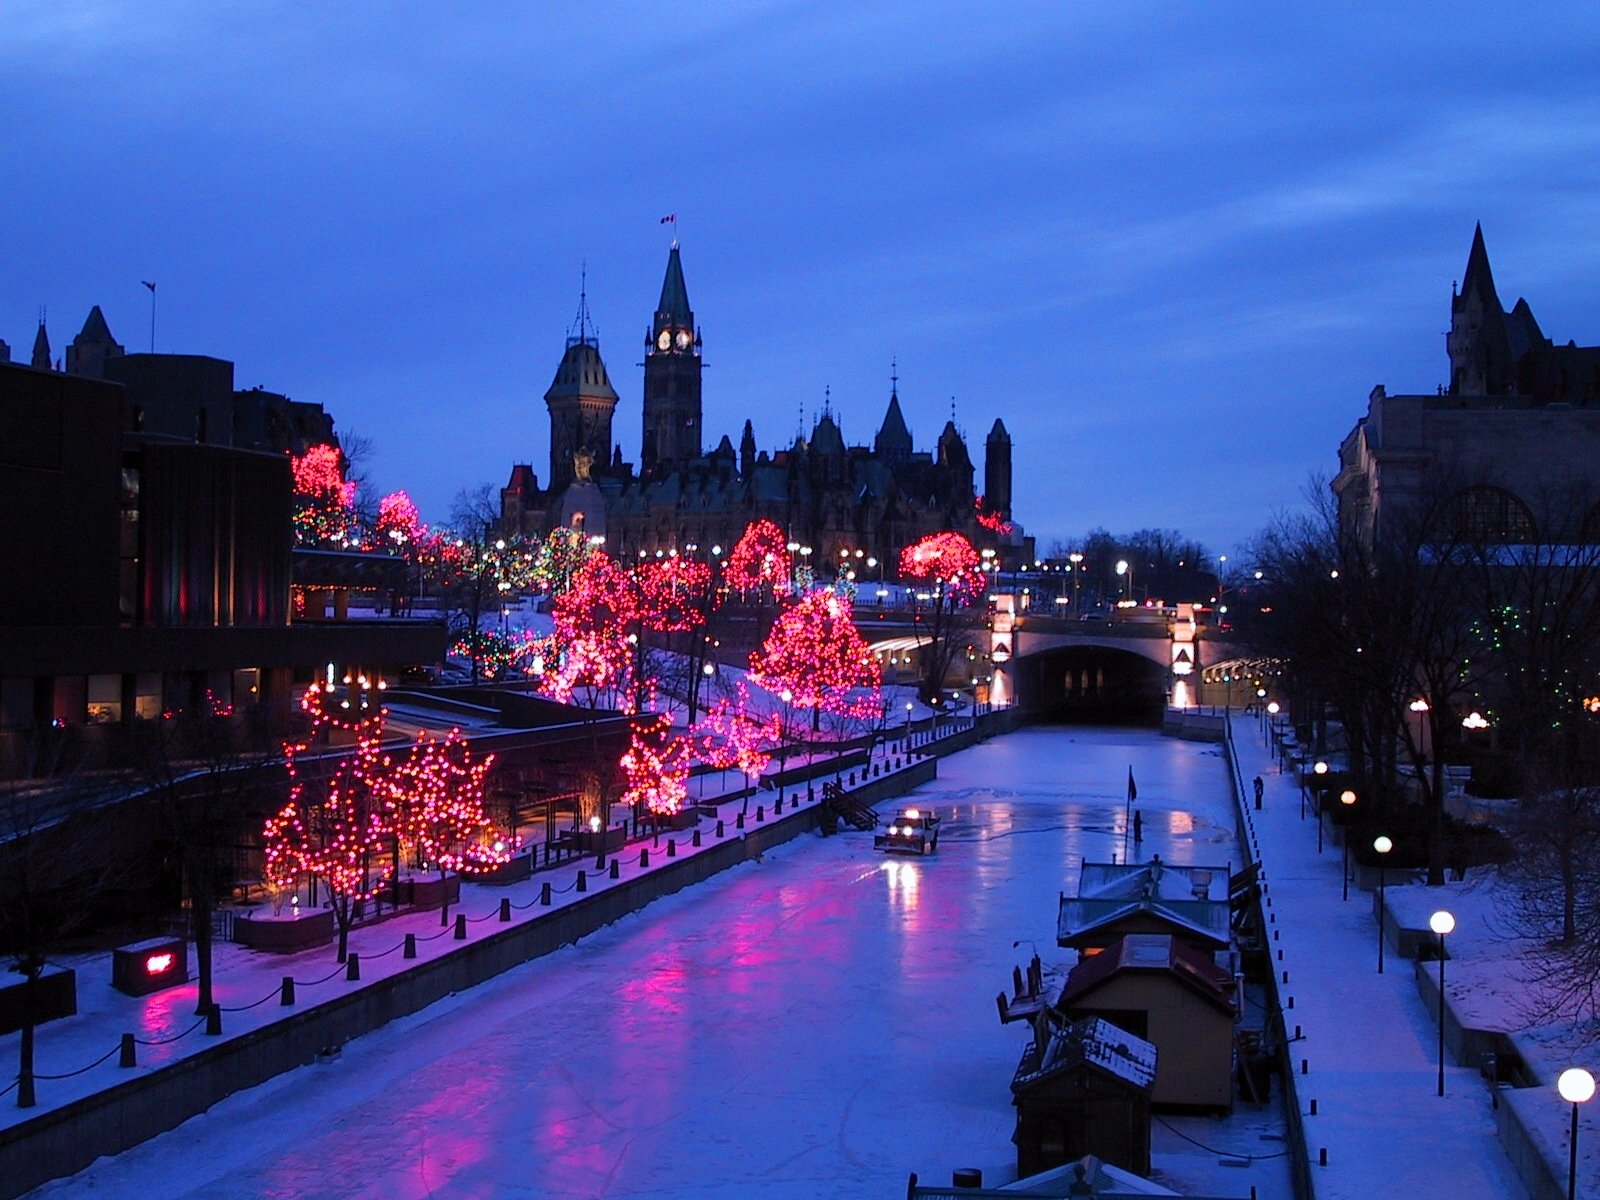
[855, 814]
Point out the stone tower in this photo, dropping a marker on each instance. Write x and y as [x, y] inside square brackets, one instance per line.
[41, 349]
[671, 378]
[997, 470]
[581, 401]
[87, 353]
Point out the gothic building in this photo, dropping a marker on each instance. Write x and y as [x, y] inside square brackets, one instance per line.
[1514, 435]
[850, 502]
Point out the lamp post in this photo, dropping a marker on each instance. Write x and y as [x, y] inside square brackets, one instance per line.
[1382, 845]
[1124, 577]
[1075, 561]
[1273, 708]
[1576, 1087]
[1320, 769]
[1441, 923]
[1346, 798]
[908, 728]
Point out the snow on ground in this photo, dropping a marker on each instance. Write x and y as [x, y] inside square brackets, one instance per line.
[817, 1023]
[1370, 1043]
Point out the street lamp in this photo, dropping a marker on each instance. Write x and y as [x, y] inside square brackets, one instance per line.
[1576, 1087]
[1347, 798]
[1076, 568]
[1124, 576]
[1382, 845]
[1319, 768]
[1441, 923]
[1273, 708]
[908, 727]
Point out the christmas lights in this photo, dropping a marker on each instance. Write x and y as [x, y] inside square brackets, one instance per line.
[656, 769]
[947, 563]
[759, 559]
[335, 825]
[815, 654]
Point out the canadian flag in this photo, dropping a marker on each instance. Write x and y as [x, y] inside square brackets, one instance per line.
[669, 219]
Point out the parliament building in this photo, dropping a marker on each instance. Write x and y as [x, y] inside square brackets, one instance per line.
[841, 501]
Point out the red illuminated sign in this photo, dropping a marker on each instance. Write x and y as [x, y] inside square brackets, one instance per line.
[158, 964]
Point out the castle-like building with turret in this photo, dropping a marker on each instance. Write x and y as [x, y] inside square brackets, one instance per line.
[842, 502]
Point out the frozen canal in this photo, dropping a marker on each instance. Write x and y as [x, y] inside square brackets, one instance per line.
[816, 1024]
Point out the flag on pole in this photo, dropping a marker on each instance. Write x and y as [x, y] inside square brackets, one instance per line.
[148, 284]
[1133, 788]
[669, 219]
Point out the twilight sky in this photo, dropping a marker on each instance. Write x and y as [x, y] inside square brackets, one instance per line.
[1173, 246]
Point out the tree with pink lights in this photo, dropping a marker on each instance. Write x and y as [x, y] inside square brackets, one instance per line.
[679, 595]
[735, 735]
[760, 559]
[591, 661]
[949, 573]
[656, 769]
[815, 657]
[335, 821]
[437, 808]
[342, 815]
[597, 621]
[324, 512]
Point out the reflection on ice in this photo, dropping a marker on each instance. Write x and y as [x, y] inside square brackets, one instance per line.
[903, 879]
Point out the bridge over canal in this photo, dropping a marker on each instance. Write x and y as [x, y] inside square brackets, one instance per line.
[1129, 666]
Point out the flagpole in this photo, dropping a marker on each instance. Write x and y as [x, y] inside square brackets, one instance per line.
[1127, 814]
[152, 288]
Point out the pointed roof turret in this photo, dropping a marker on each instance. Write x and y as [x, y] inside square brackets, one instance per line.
[953, 448]
[998, 433]
[1478, 277]
[41, 348]
[893, 441]
[674, 303]
[826, 440]
[94, 344]
[95, 328]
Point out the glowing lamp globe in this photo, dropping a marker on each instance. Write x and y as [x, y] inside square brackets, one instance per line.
[1382, 845]
[1442, 923]
[1321, 768]
[1272, 708]
[1347, 797]
[1575, 1085]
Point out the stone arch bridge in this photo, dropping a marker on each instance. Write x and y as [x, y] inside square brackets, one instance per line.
[1126, 667]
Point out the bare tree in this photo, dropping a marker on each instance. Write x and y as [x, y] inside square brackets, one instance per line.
[210, 772]
[60, 855]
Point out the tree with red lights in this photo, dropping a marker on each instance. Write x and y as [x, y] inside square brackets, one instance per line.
[679, 595]
[590, 661]
[656, 769]
[735, 735]
[760, 560]
[948, 571]
[815, 655]
[335, 821]
[436, 802]
[324, 513]
[597, 621]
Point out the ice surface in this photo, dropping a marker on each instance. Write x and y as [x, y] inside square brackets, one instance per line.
[818, 1023]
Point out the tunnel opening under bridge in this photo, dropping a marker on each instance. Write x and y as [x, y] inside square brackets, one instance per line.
[1096, 685]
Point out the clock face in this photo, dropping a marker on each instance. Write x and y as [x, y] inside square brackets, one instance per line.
[682, 340]
[665, 340]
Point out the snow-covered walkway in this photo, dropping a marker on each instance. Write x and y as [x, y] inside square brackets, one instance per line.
[1370, 1046]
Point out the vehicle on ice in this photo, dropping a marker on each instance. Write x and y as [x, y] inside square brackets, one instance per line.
[912, 831]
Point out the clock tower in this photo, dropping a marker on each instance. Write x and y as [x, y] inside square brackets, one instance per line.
[671, 378]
